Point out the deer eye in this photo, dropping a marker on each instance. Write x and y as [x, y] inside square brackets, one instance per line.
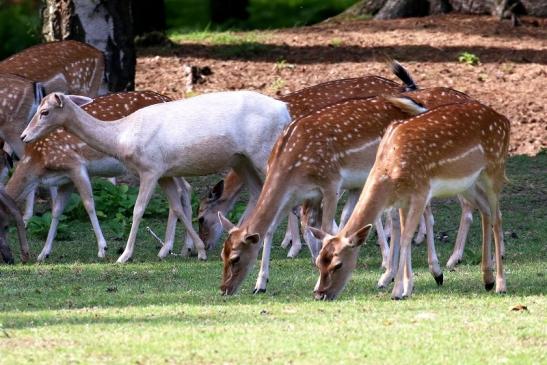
[44, 113]
[337, 267]
[234, 260]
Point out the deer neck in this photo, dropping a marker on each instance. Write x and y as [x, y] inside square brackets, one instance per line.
[375, 198]
[102, 136]
[270, 205]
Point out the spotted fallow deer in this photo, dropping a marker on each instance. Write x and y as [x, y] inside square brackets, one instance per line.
[453, 149]
[192, 137]
[8, 209]
[62, 160]
[26, 77]
[222, 197]
[318, 155]
[66, 66]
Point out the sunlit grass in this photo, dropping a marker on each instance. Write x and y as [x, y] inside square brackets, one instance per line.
[79, 309]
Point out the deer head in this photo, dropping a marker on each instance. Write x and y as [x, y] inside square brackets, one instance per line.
[210, 227]
[240, 248]
[336, 261]
[55, 110]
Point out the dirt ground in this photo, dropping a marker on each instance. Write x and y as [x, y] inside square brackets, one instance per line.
[511, 76]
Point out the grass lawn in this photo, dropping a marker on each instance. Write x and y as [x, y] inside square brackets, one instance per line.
[77, 309]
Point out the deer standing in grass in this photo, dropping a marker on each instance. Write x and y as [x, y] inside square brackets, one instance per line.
[26, 77]
[453, 149]
[192, 137]
[316, 157]
[222, 197]
[8, 209]
[62, 160]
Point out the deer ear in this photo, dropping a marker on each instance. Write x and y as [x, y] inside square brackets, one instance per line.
[226, 224]
[359, 237]
[252, 239]
[59, 99]
[317, 233]
[216, 192]
[79, 100]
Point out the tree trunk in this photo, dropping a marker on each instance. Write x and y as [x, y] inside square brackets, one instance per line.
[403, 9]
[106, 25]
[390, 9]
[148, 16]
[224, 10]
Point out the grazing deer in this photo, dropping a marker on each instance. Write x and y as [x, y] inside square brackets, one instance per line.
[66, 66]
[8, 208]
[62, 160]
[453, 149]
[318, 155]
[196, 136]
[222, 197]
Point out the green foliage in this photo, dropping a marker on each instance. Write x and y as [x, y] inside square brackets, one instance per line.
[468, 58]
[113, 205]
[19, 27]
[189, 15]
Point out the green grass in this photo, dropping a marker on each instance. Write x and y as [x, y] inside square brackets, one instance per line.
[77, 309]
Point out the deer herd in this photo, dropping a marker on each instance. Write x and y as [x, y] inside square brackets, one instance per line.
[390, 147]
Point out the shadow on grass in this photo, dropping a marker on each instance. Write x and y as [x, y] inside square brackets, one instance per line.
[72, 285]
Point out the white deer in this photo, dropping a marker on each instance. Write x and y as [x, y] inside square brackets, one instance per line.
[192, 137]
[62, 160]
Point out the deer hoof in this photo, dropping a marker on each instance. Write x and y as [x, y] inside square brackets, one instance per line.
[439, 279]
[259, 290]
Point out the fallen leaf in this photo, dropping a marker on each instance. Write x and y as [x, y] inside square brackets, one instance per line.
[519, 307]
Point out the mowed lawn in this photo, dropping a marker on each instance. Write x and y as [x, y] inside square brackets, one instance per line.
[78, 309]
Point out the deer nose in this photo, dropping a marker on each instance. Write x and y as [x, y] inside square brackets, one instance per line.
[23, 136]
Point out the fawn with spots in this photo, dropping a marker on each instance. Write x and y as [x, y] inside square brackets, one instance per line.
[192, 137]
[453, 149]
[317, 156]
[222, 197]
[61, 159]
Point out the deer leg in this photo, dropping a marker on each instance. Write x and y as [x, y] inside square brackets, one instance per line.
[465, 223]
[410, 219]
[83, 185]
[5, 251]
[432, 259]
[393, 259]
[287, 238]
[11, 207]
[185, 191]
[264, 272]
[169, 187]
[382, 242]
[422, 229]
[493, 202]
[146, 189]
[58, 207]
[170, 231]
[295, 234]
[29, 206]
[388, 227]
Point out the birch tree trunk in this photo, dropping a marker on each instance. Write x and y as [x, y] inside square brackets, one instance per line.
[106, 25]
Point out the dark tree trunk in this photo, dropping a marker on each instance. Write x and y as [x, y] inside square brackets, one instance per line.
[224, 10]
[148, 16]
[106, 25]
[390, 9]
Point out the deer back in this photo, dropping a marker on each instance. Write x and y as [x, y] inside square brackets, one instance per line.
[307, 100]
[61, 147]
[66, 66]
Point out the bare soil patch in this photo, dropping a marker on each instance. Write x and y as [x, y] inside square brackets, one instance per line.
[511, 76]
